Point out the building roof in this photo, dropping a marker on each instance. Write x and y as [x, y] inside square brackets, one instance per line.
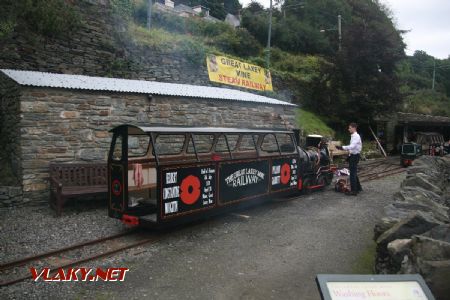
[420, 118]
[185, 8]
[82, 82]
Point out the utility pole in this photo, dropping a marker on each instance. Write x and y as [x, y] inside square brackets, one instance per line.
[434, 73]
[268, 37]
[340, 31]
[149, 14]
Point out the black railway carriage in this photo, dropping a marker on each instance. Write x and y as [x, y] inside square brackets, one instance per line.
[168, 175]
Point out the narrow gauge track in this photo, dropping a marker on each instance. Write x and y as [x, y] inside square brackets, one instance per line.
[377, 169]
[369, 171]
[60, 259]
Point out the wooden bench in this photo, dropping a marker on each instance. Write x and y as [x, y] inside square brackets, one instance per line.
[68, 180]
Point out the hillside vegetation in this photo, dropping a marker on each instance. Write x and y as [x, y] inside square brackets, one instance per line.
[368, 75]
[339, 85]
[353, 79]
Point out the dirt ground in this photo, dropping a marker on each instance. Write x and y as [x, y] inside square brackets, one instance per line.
[276, 253]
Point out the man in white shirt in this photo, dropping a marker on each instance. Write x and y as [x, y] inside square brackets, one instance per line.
[354, 150]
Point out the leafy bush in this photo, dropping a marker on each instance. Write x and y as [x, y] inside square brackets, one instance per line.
[427, 102]
[122, 8]
[162, 40]
[169, 22]
[306, 67]
[238, 42]
[6, 27]
[218, 35]
[46, 17]
[194, 52]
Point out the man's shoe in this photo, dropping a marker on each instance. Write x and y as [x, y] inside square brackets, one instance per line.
[351, 193]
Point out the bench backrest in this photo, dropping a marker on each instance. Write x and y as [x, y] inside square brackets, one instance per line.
[80, 174]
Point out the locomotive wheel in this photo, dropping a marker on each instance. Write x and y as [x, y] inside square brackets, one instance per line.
[328, 179]
[321, 181]
[306, 184]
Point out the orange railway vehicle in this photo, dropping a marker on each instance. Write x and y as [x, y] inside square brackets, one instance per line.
[161, 176]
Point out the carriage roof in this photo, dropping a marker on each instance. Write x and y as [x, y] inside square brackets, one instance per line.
[133, 129]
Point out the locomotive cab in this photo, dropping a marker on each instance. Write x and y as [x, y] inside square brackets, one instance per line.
[409, 152]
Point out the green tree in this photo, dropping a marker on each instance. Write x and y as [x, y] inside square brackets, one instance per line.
[371, 49]
[232, 6]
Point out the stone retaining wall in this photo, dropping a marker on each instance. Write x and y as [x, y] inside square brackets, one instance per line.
[414, 235]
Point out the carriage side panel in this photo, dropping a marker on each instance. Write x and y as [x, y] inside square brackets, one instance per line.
[186, 189]
[243, 180]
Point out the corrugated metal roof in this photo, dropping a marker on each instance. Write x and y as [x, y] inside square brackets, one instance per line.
[411, 117]
[83, 82]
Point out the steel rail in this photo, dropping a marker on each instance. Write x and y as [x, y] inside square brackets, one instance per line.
[89, 258]
[22, 261]
[382, 175]
[387, 170]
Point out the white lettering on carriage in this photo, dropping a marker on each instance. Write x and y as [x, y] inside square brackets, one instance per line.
[171, 207]
[294, 173]
[275, 180]
[276, 169]
[207, 171]
[208, 189]
[171, 192]
[244, 177]
[171, 177]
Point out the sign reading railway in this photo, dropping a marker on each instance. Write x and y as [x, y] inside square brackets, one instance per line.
[233, 72]
[187, 189]
[243, 179]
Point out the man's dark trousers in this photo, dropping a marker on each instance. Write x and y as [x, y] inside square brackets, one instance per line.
[353, 166]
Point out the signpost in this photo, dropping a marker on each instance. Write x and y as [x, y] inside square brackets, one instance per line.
[368, 287]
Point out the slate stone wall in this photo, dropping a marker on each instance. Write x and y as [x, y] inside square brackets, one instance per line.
[60, 125]
[9, 130]
[10, 152]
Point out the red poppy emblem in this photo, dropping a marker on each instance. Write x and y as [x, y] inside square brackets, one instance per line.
[190, 190]
[116, 187]
[285, 174]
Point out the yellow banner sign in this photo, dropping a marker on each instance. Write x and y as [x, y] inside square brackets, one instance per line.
[233, 72]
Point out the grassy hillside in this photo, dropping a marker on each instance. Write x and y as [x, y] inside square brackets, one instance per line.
[310, 123]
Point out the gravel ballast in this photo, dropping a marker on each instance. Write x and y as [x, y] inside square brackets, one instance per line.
[276, 253]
